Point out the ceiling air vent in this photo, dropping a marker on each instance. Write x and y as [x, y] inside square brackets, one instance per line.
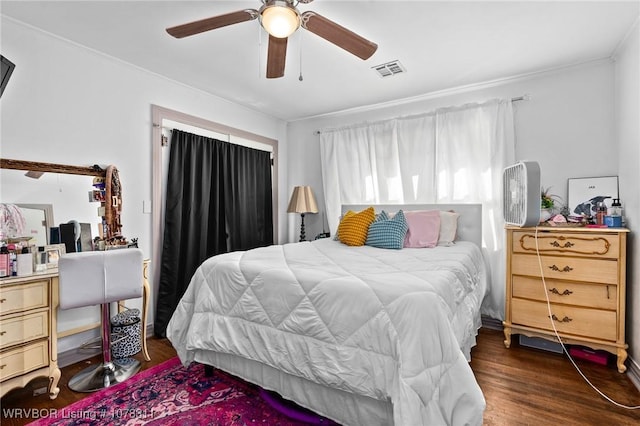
[389, 69]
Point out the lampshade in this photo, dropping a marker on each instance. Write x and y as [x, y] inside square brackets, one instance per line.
[302, 201]
[279, 18]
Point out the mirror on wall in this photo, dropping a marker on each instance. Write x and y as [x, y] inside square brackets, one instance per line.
[65, 195]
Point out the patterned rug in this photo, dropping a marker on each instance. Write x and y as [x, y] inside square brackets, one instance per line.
[169, 394]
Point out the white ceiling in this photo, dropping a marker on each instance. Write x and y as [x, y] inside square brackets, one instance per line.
[442, 44]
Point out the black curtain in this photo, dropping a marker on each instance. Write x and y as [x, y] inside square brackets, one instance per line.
[248, 202]
[194, 217]
[212, 187]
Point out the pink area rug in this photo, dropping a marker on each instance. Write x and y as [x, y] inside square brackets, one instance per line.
[169, 394]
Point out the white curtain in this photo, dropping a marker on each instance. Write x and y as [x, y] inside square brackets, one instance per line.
[445, 156]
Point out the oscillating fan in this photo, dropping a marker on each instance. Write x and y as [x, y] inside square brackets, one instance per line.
[521, 194]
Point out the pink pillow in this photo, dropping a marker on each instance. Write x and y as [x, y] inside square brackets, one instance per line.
[424, 228]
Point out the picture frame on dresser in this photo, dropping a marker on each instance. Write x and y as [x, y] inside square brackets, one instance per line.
[53, 253]
[585, 193]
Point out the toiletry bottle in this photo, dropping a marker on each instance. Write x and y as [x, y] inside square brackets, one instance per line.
[615, 213]
[601, 212]
[616, 208]
[13, 260]
[4, 262]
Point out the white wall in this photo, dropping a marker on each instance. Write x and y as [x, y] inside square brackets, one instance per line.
[68, 104]
[567, 126]
[580, 122]
[627, 106]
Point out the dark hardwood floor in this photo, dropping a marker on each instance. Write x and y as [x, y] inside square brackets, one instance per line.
[522, 386]
[160, 350]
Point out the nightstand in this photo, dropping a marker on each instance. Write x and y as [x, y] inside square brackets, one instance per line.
[584, 270]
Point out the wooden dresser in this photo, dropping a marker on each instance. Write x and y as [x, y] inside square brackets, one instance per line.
[28, 342]
[584, 272]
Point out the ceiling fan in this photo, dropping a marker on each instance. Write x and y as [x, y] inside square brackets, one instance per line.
[281, 18]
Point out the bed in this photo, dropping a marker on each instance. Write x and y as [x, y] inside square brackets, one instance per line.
[360, 335]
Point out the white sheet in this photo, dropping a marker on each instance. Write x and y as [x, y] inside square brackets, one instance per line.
[387, 324]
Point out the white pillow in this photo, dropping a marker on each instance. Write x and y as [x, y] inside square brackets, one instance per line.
[448, 228]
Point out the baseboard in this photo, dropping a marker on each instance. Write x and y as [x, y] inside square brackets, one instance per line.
[633, 371]
[75, 355]
[491, 323]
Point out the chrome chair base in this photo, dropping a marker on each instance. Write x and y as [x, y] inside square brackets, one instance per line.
[103, 375]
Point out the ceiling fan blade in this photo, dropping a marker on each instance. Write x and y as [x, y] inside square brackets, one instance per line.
[276, 56]
[338, 35]
[197, 27]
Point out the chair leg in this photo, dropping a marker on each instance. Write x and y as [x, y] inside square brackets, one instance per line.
[145, 309]
[108, 372]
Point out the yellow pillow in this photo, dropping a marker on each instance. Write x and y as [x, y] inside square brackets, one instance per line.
[354, 227]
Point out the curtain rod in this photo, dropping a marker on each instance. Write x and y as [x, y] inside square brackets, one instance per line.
[525, 97]
[229, 135]
[162, 127]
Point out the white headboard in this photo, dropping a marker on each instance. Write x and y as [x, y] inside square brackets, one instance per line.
[469, 222]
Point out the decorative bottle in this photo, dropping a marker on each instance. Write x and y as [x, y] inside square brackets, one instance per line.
[13, 260]
[4, 262]
[601, 212]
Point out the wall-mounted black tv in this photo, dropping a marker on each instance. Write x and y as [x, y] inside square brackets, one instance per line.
[6, 68]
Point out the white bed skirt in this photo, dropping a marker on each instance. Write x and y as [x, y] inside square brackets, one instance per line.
[343, 407]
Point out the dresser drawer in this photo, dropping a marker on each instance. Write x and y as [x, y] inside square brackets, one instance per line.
[21, 297]
[578, 321]
[567, 292]
[605, 246]
[24, 359]
[23, 328]
[566, 268]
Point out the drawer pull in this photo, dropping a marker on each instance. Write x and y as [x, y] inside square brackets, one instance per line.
[564, 293]
[2, 333]
[565, 269]
[2, 300]
[565, 319]
[568, 244]
[2, 366]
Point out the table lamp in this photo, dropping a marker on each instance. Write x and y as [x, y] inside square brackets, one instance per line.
[302, 201]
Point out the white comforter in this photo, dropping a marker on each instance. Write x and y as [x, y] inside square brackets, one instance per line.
[374, 322]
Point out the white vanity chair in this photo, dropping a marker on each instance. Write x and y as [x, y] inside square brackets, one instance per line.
[99, 278]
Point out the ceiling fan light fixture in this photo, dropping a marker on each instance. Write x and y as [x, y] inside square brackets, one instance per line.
[279, 18]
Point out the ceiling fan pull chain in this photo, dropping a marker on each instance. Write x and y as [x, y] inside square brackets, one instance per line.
[259, 51]
[300, 36]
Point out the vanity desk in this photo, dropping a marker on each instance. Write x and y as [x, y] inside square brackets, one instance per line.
[28, 340]
[29, 304]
